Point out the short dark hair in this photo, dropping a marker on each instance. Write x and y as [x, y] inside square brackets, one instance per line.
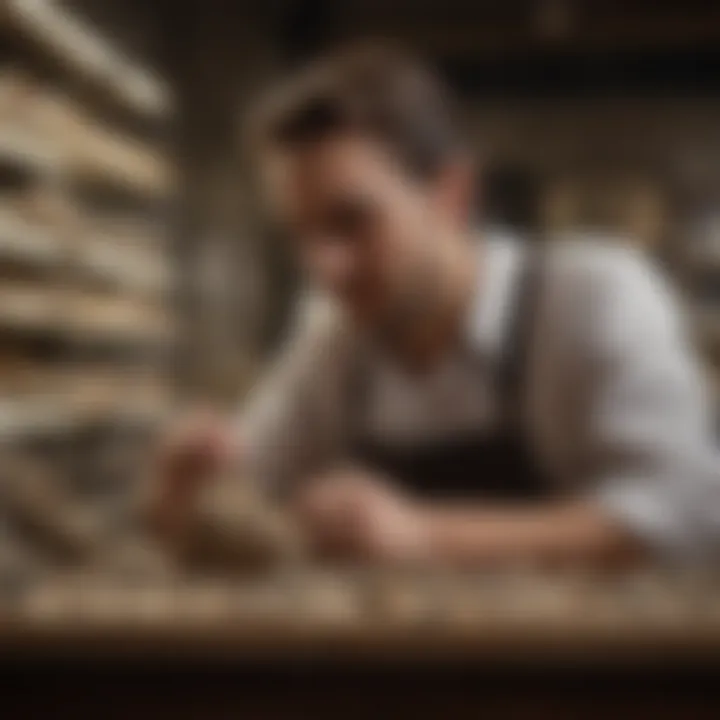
[377, 90]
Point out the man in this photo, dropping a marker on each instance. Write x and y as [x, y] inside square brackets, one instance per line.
[463, 397]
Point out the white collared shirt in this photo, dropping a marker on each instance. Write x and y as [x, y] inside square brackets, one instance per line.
[616, 408]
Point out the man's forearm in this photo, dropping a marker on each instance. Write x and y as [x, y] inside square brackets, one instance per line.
[550, 534]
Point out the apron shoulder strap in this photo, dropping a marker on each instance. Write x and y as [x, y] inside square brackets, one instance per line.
[513, 365]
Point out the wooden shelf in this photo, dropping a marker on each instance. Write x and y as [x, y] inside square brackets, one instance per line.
[104, 282]
[133, 270]
[31, 308]
[93, 317]
[24, 419]
[82, 317]
[60, 138]
[23, 242]
[27, 152]
[94, 153]
[81, 50]
[48, 401]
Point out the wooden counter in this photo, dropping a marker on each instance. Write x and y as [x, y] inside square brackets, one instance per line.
[364, 617]
[329, 645]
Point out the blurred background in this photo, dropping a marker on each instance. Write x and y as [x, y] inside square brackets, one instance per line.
[136, 269]
[137, 274]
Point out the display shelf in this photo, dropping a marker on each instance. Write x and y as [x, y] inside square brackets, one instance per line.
[97, 155]
[96, 317]
[43, 130]
[66, 403]
[71, 43]
[20, 418]
[21, 241]
[47, 130]
[135, 270]
[76, 115]
[29, 307]
[32, 418]
[82, 318]
[24, 151]
[112, 263]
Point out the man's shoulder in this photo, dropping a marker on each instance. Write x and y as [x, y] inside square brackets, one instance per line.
[588, 263]
[595, 250]
[608, 294]
[583, 254]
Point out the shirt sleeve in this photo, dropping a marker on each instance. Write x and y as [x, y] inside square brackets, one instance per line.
[649, 434]
[292, 424]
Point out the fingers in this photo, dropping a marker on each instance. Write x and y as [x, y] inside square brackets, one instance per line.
[194, 450]
[359, 515]
[337, 514]
[189, 457]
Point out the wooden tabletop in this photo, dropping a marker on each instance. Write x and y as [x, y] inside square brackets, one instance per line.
[334, 616]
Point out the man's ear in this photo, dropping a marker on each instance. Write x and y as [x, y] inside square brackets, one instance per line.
[456, 191]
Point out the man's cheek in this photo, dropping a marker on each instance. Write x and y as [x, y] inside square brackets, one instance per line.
[388, 270]
[369, 294]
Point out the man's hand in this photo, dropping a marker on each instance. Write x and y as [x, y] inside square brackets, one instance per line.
[353, 513]
[356, 514]
[192, 454]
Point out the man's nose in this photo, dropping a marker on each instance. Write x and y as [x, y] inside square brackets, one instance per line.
[337, 264]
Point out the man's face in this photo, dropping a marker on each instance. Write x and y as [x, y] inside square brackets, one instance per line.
[365, 230]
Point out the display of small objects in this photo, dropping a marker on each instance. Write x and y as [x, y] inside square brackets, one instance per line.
[566, 608]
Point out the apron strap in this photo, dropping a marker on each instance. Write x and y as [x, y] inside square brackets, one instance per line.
[513, 365]
[512, 369]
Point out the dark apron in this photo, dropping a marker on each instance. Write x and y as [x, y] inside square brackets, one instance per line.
[494, 465]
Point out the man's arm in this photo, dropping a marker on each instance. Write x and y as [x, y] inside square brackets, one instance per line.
[557, 534]
[288, 429]
[646, 439]
[292, 425]
[354, 513]
[653, 479]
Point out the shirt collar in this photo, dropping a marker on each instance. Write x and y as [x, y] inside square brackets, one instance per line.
[499, 257]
